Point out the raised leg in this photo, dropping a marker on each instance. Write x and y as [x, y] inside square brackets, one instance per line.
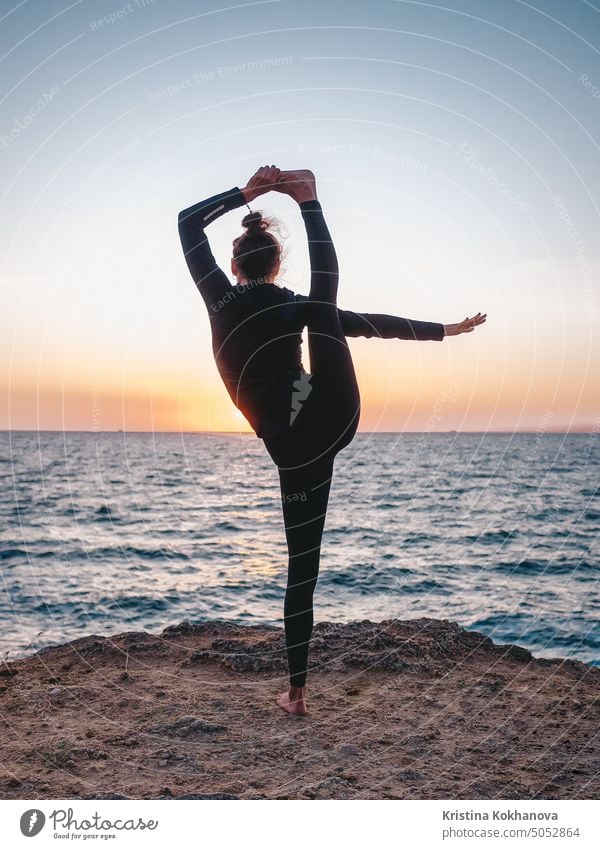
[330, 358]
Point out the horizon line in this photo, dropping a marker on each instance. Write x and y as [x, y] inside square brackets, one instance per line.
[580, 430]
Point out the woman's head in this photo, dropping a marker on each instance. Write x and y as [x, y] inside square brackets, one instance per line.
[257, 252]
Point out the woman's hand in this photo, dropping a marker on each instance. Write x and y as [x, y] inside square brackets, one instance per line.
[467, 325]
[300, 185]
[261, 182]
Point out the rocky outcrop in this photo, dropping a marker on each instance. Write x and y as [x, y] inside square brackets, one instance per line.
[413, 709]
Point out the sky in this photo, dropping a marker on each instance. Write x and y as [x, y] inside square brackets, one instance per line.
[456, 149]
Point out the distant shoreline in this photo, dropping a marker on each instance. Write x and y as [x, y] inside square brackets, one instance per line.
[546, 432]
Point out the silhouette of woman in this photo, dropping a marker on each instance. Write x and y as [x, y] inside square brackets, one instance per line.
[304, 419]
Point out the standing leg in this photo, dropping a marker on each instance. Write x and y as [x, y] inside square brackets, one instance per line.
[304, 494]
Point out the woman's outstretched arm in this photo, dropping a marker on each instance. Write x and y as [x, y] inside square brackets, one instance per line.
[384, 326]
[390, 326]
[395, 327]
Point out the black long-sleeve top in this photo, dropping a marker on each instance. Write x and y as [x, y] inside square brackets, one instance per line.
[257, 328]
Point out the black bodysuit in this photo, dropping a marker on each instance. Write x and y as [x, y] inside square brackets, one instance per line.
[257, 329]
[304, 419]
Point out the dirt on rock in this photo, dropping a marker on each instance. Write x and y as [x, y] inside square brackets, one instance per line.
[418, 709]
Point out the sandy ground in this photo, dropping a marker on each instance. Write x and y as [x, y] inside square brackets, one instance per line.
[420, 709]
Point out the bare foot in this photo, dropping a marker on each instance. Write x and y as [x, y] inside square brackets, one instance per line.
[293, 701]
[300, 184]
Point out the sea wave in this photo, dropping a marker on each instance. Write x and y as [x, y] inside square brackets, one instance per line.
[101, 530]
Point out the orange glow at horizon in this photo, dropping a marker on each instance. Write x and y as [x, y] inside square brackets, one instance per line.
[414, 387]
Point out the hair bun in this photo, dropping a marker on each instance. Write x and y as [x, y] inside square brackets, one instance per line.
[254, 222]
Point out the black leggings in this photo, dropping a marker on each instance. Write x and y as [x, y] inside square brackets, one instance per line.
[327, 407]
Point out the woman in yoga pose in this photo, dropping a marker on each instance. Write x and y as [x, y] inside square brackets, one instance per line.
[304, 419]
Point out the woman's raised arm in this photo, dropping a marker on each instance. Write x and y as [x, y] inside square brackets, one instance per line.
[211, 281]
[208, 277]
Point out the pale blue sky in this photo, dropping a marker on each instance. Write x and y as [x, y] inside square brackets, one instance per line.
[409, 113]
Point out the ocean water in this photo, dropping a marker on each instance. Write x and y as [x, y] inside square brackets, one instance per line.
[106, 532]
